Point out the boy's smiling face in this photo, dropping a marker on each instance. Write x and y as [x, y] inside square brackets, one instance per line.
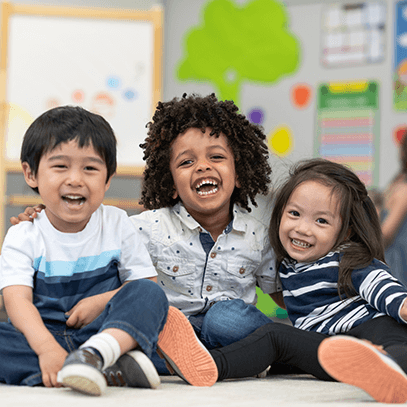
[203, 170]
[72, 183]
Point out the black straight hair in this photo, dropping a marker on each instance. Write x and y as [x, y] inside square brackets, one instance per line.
[66, 123]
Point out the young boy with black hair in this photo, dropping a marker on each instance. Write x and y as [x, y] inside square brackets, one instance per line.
[77, 281]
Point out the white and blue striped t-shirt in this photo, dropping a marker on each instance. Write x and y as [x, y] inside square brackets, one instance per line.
[311, 295]
[63, 268]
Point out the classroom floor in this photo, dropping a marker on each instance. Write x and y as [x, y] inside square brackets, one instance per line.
[281, 391]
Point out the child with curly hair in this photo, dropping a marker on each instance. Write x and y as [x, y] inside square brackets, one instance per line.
[204, 162]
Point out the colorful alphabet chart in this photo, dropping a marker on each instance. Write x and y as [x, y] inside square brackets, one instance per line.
[348, 126]
[353, 34]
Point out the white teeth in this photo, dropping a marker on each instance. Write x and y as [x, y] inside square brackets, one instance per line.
[73, 197]
[301, 244]
[206, 181]
[212, 191]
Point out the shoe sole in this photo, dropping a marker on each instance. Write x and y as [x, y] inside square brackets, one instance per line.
[91, 382]
[184, 352]
[143, 371]
[356, 362]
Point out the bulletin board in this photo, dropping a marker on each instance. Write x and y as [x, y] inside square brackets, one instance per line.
[105, 60]
[348, 127]
[353, 33]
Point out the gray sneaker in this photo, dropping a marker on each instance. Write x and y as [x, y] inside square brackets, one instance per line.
[82, 371]
[133, 369]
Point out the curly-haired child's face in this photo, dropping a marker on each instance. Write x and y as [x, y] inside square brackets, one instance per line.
[203, 170]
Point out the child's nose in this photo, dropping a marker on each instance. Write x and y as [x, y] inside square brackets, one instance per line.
[303, 227]
[75, 178]
[203, 165]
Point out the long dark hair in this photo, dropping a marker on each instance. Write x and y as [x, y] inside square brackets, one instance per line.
[360, 233]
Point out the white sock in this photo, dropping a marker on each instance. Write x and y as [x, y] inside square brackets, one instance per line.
[106, 345]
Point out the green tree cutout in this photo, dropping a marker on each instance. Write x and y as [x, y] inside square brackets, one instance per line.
[234, 44]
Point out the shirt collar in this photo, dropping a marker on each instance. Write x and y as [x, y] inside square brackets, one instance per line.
[238, 222]
[295, 265]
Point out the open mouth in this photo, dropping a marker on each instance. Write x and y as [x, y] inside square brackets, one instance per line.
[74, 199]
[301, 245]
[207, 187]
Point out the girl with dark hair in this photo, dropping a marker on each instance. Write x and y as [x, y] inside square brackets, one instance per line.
[339, 293]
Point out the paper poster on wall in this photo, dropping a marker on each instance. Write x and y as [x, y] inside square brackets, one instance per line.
[348, 127]
[400, 56]
[105, 63]
[353, 34]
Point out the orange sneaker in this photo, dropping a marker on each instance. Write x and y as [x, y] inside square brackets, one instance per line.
[364, 365]
[184, 352]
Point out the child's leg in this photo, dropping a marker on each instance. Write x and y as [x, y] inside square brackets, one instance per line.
[18, 362]
[386, 332]
[229, 321]
[271, 343]
[133, 317]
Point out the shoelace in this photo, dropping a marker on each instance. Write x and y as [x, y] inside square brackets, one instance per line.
[115, 378]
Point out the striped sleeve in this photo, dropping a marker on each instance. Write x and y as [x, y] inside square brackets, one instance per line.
[380, 289]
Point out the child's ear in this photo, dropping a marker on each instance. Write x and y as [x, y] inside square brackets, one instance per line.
[107, 185]
[237, 183]
[29, 176]
[175, 194]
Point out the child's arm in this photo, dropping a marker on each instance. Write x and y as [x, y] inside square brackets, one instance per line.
[88, 309]
[26, 318]
[278, 299]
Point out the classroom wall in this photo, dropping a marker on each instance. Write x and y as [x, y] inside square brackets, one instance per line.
[304, 22]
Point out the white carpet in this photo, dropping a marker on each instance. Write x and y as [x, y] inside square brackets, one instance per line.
[277, 391]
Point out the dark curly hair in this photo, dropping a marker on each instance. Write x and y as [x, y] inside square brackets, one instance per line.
[172, 118]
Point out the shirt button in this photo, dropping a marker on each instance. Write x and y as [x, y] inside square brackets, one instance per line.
[209, 288]
[213, 255]
[242, 270]
[175, 269]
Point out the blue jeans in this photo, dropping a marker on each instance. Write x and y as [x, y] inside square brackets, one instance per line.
[224, 323]
[140, 308]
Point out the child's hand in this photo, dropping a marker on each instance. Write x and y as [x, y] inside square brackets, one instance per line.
[51, 362]
[85, 311]
[28, 215]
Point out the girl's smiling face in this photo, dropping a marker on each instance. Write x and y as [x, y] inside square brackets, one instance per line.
[310, 222]
[203, 170]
